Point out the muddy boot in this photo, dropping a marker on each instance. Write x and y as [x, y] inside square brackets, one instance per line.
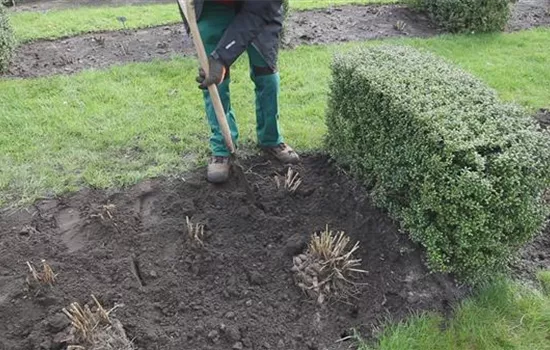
[218, 170]
[284, 153]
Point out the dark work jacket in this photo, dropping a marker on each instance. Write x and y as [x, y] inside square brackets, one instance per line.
[258, 23]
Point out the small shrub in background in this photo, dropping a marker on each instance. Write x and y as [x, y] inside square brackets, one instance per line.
[7, 40]
[467, 15]
[463, 172]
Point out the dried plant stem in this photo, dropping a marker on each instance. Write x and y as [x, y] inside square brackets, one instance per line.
[95, 328]
[47, 276]
[292, 181]
[328, 265]
[195, 231]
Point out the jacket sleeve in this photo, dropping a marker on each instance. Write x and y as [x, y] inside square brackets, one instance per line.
[248, 23]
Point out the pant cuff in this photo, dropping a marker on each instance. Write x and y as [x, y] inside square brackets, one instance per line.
[271, 144]
[221, 153]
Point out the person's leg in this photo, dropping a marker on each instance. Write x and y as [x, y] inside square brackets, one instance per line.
[267, 89]
[266, 81]
[214, 19]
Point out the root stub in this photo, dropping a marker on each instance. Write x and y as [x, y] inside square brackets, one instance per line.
[95, 329]
[195, 232]
[328, 267]
[46, 277]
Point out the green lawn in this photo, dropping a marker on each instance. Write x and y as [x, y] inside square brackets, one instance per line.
[505, 315]
[55, 24]
[114, 127]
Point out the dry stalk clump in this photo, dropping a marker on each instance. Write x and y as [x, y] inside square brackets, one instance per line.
[291, 181]
[195, 232]
[400, 26]
[45, 277]
[95, 329]
[328, 267]
[106, 215]
[106, 212]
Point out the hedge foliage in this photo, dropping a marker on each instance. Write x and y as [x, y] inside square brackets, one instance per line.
[463, 172]
[468, 15]
[7, 40]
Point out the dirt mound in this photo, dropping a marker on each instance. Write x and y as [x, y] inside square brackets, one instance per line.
[130, 249]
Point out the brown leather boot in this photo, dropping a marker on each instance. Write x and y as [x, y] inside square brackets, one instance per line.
[284, 153]
[218, 169]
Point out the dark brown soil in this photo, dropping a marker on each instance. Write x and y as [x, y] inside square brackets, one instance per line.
[530, 13]
[534, 257]
[236, 291]
[356, 23]
[99, 50]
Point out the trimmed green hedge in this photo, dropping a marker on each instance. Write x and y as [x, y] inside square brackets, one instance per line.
[467, 15]
[463, 172]
[7, 40]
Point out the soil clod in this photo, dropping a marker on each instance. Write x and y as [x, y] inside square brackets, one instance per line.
[136, 271]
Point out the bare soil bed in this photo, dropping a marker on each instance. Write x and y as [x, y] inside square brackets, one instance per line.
[100, 50]
[530, 13]
[130, 247]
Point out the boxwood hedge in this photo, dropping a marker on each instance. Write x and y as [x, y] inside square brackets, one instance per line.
[7, 40]
[462, 171]
[467, 15]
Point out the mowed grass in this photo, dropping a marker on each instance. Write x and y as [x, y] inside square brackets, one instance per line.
[516, 65]
[504, 315]
[29, 26]
[53, 24]
[115, 127]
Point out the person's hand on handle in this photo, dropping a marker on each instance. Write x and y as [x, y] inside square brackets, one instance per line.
[215, 75]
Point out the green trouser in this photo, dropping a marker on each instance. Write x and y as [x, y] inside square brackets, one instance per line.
[214, 19]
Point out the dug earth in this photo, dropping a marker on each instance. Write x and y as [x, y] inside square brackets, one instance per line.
[131, 249]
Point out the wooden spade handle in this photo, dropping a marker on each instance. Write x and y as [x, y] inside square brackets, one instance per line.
[188, 9]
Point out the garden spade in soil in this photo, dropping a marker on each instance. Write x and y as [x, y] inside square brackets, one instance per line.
[188, 9]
